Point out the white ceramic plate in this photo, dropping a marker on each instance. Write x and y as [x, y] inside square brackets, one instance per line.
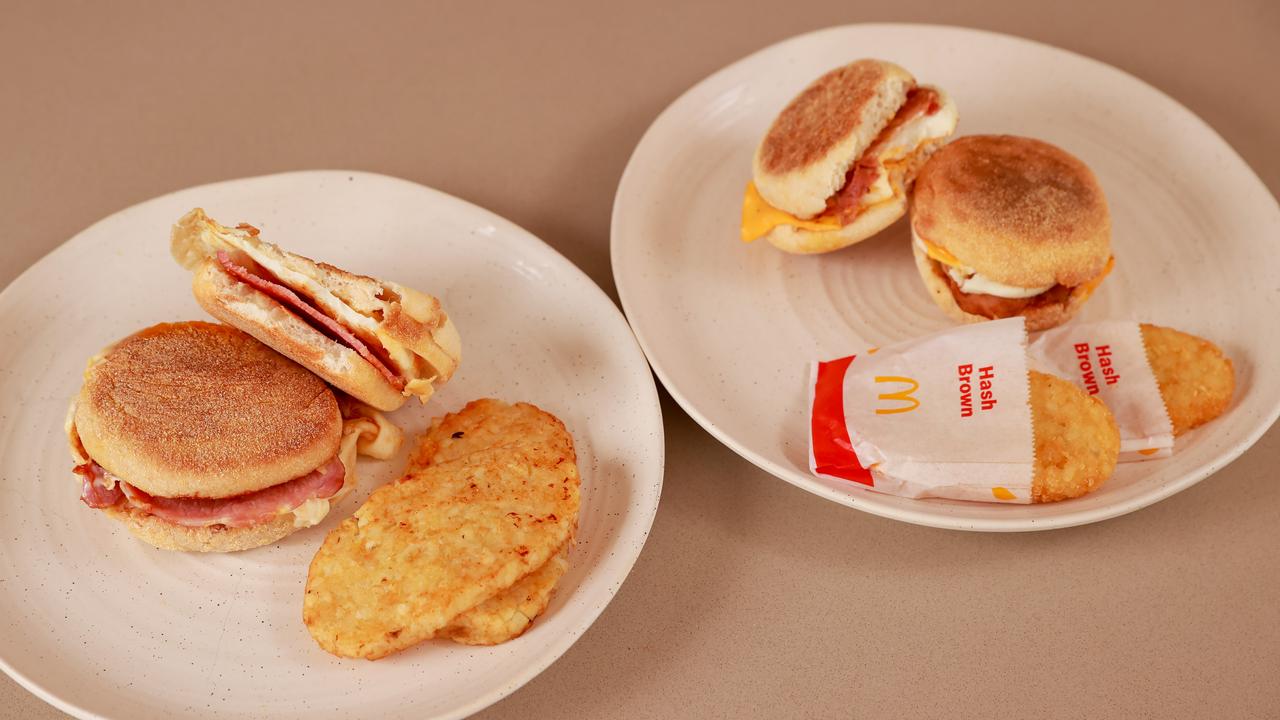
[102, 625]
[730, 328]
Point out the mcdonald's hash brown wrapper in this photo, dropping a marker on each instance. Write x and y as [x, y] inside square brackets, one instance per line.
[947, 415]
[1109, 360]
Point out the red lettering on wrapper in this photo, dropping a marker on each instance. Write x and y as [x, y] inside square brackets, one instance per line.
[1091, 371]
[1109, 373]
[986, 386]
[828, 434]
[966, 390]
[1087, 376]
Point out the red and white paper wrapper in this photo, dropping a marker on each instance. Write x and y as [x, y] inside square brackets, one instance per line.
[947, 415]
[1109, 360]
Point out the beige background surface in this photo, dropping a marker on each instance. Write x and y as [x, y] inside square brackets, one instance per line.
[752, 598]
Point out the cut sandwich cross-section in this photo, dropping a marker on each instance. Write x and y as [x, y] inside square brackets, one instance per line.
[312, 315]
[838, 162]
[378, 341]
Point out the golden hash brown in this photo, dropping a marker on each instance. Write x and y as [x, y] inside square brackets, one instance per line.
[508, 614]
[434, 544]
[489, 423]
[1077, 442]
[483, 424]
[1196, 379]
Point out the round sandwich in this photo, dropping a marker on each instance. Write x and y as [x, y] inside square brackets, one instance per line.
[1004, 226]
[378, 341]
[200, 438]
[837, 164]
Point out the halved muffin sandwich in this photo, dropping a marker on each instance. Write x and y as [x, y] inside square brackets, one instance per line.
[837, 164]
[376, 340]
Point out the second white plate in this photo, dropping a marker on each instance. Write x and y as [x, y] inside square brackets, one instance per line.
[730, 328]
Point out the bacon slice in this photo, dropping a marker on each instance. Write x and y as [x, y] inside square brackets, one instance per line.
[239, 511]
[98, 490]
[242, 510]
[846, 203]
[291, 300]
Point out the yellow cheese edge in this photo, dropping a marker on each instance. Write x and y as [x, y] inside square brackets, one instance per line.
[759, 217]
[939, 254]
[1086, 288]
[314, 510]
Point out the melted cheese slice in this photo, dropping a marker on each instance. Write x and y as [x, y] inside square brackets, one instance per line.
[365, 432]
[1086, 288]
[941, 255]
[938, 253]
[759, 218]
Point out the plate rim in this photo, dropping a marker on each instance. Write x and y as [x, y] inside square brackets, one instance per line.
[807, 482]
[650, 401]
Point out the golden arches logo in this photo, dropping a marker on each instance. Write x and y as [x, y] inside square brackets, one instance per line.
[909, 402]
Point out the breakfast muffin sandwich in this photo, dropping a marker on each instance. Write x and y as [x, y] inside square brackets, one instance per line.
[836, 165]
[1004, 226]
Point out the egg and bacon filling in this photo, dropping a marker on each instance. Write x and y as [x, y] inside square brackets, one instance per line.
[874, 178]
[267, 268]
[308, 497]
[980, 295]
